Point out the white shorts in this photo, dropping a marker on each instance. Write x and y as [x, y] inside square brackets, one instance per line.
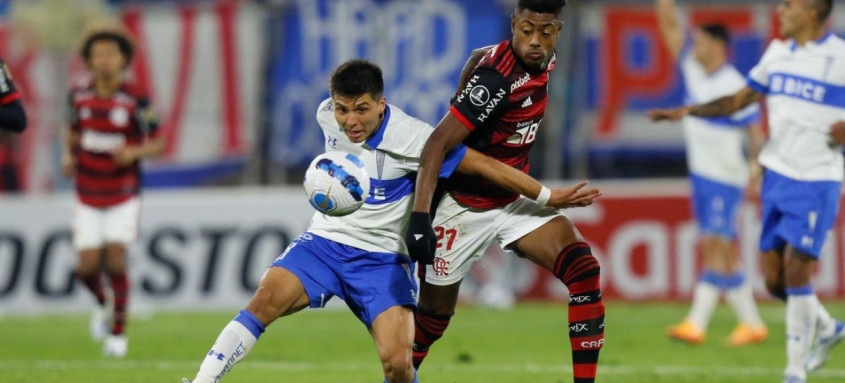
[465, 233]
[94, 227]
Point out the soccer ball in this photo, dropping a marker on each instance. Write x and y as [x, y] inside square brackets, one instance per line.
[336, 183]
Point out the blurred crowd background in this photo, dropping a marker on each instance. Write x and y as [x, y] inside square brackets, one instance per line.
[237, 82]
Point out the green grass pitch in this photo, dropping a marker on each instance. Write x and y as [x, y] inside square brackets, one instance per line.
[526, 344]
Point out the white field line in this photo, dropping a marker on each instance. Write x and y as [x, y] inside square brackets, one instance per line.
[6, 365]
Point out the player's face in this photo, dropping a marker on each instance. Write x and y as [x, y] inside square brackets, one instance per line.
[794, 17]
[358, 116]
[704, 46]
[535, 36]
[106, 60]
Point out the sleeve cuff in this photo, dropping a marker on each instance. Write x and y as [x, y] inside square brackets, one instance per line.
[452, 160]
[460, 117]
[758, 87]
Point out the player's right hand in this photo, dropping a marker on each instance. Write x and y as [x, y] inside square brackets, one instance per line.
[420, 238]
[673, 114]
[68, 165]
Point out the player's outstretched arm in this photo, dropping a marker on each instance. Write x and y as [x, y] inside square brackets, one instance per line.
[670, 27]
[719, 107]
[509, 178]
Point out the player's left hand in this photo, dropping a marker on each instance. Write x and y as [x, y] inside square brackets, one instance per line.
[575, 196]
[420, 238]
[837, 133]
[124, 156]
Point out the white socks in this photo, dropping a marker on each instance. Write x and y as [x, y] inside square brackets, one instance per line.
[704, 301]
[740, 297]
[802, 308]
[233, 344]
[826, 325]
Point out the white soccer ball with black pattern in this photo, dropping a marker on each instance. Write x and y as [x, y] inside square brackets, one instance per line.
[336, 183]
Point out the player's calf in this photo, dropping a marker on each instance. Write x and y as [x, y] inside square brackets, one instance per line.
[579, 270]
[428, 328]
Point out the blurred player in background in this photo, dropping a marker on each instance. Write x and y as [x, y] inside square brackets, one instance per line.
[718, 173]
[498, 113]
[112, 128]
[361, 257]
[12, 121]
[12, 114]
[803, 79]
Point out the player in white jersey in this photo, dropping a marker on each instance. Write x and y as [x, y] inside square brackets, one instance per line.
[718, 173]
[361, 257]
[803, 79]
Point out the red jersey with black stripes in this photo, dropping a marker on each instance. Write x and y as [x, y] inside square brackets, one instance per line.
[103, 126]
[502, 105]
[8, 90]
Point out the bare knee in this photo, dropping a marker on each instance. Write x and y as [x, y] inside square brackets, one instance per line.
[265, 306]
[773, 273]
[439, 300]
[89, 263]
[398, 369]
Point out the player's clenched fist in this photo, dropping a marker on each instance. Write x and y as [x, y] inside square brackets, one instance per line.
[420, 238]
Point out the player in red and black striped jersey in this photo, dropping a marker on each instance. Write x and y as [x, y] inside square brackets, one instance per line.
[112, 128]
[498, 112]
[12, 115]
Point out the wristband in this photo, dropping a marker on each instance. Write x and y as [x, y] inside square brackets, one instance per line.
[543, 197]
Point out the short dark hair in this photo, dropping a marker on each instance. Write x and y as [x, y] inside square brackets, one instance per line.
[823, 8]
[541, 6]
[356, 77]
[716, 31]
[127, 49]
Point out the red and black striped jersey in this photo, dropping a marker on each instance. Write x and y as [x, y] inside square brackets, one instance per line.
[8, 90]
[104, 125]
[502, 105]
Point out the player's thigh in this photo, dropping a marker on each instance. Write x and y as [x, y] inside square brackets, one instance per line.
[393, 333]
[797, 213]
[279, 293]
[463, 236]
[772, 266]
[537, 232]
[375, 282]
[714, 207]
[88, 226]
[121, 222]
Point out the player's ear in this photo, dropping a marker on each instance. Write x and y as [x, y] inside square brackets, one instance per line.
[382, 105]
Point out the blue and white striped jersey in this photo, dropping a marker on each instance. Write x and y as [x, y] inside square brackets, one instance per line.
[392, 157]
[715, 145]
[805, 94]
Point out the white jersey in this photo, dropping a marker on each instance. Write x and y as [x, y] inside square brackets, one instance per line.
[392, 157]
[715, 145]
[805, 94]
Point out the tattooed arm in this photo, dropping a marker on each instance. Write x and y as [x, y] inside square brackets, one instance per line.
[724, 106]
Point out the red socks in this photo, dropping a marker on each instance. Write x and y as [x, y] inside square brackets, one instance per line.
[429, 327]
[580, 272]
